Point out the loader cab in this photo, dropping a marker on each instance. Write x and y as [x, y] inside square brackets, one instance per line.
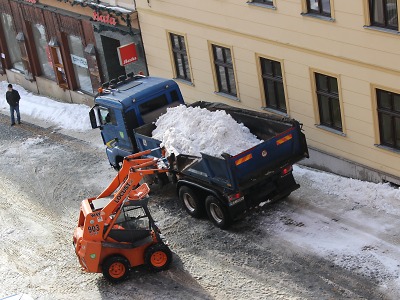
[128, 104]
[134, 224]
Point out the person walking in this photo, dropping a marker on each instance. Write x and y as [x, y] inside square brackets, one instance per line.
[13, 97]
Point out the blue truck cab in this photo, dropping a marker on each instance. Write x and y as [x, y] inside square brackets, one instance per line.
[121, 106]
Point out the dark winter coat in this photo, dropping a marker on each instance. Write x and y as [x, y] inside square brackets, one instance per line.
[13, 98]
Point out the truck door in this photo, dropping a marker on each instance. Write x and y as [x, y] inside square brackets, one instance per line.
[112, 125]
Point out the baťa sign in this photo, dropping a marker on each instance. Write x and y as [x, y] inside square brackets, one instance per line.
[127, 54]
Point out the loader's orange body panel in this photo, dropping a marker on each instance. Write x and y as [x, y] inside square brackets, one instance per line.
[98, 215]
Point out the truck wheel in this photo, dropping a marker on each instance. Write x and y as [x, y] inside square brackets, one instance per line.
[217, 213]
[192, 203]
[116, 269]
[158, 257]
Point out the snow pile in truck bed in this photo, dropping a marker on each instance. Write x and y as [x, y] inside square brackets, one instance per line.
[191, 130]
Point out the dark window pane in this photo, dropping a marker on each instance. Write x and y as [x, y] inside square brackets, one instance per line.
[322, 84]
[337, 119]
[386, 129]
[397, 131]
[218, 54]
[384, 99]
[269, 2]
[391, 6]
[175, 41]
[326, 6]
[232, 83]
[270, 93]
[333, 85]
[396, 102]
[187, 71]
[281, 95]
[153, 104]
[378, 15]
[324, 110]
[222, 80]
[277, 69]
[314, 5]
[180, 66]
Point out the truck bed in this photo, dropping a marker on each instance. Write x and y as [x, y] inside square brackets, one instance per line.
[283, 144]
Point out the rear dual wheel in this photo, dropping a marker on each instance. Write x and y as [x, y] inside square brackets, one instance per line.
[217, 213]
[192, 201]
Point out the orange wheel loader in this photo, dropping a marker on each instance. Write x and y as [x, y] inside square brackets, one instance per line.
[115, 230]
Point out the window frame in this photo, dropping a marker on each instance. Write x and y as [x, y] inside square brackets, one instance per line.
[393, 115]
[370, 13]
[276, 79]
[317, 115]
[227, 66]
[187, 69]
[320, 11]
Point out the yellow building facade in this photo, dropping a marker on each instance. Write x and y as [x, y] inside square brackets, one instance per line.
[334, 65]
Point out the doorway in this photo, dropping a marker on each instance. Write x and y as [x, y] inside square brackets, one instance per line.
[110, 45]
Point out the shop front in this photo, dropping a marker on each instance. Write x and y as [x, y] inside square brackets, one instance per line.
[64, 50]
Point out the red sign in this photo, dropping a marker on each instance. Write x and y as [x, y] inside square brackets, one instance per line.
[127, 54]
[31, 1]
[104, 18]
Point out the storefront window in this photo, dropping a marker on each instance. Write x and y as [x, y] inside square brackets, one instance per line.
[13, 48]
[43, 51]
[80, 64]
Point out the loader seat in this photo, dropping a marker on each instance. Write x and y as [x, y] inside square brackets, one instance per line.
[129, 235]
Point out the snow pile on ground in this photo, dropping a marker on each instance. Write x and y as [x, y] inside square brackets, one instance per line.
[195, 130]
[380, 196]
[63, 115]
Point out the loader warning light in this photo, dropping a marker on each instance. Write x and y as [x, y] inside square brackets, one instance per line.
[284, 139]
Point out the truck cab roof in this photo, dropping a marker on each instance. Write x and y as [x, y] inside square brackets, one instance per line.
[132, 90]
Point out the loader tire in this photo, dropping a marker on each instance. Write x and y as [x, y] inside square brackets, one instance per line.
[192, 202]
[217, 213]
[158, 257]
[116, 268]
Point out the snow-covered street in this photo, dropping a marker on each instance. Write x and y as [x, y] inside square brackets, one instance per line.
[333, 238]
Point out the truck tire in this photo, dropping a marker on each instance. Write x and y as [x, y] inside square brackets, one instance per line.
[192, 202]
[158, 257]
[217, 213]
[115, 268]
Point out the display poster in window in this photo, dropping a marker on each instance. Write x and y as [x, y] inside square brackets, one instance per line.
[79, 61]
[48, 54]
[127, 54]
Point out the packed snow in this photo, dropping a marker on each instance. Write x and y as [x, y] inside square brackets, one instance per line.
[63, 115]
[195, 130]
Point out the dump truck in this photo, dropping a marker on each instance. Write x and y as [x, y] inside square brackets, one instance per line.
[223, 187]
[116, 231]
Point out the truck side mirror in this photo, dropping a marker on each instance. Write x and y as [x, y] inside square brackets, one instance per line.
[94, 117]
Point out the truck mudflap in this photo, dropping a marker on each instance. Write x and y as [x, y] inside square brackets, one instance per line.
[270, 191]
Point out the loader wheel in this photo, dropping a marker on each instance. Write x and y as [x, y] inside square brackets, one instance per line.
[192, 203]
[116, 269]
[158, 257]
[217, 213]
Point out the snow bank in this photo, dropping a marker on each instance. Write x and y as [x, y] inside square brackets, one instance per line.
[191, 130]
[64, 115]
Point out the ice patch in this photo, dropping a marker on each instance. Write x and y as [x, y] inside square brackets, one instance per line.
[195, 130]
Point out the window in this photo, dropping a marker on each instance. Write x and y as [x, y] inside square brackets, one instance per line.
[79, 63]
[43, 51]
[181, 60]
[320, 7]
[13, 47]
[153, 104]
[267, 2]
[328, 101]
[384, 13]
[224, 70]
[107, 116]
[389, 118]
[273, 84]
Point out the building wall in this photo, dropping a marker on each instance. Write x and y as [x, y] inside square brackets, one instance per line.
[344, 46]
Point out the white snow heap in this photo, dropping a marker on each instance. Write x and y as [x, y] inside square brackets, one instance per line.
[191, 130]
[64, 115]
